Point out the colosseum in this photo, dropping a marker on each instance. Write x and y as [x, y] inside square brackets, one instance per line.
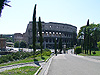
[52, 31]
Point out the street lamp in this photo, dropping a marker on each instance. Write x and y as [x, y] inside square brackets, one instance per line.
[64, 49]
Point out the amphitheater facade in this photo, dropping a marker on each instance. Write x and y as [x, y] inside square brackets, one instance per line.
[52, 31]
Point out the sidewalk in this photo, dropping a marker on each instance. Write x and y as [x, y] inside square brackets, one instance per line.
[45, 67]
[3, 68]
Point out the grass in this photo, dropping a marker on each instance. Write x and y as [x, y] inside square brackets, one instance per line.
[30, 59]
[27, 70]
[97, 54]
[83, 54]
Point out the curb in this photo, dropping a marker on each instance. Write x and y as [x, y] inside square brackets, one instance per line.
[20, 64]
[43, 66]
[46, 71]
[38, 71]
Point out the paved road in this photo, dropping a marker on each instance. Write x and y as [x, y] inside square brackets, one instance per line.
[67, 64]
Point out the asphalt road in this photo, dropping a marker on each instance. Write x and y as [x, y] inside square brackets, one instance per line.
[67, 64]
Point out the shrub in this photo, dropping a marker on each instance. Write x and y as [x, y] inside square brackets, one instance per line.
[10, 58]
[98, 45]
[67, 48]
[46, 52]
[22, 55]
[16, 44]
[94, 52]
[4, 59]
[37, 52]
[30, 46]
[1, 60]
[38, 46]
[46, 49]
[78, 50]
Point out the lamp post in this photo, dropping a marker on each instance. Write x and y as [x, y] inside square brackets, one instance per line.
[64, 49]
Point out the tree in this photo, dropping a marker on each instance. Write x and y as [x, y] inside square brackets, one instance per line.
[23, 44]
[34, 30]
[16, 44]
[55, 47]
[98, 45]
[40, 33]
[91, 35]
[66, 44]
[88, 36]
[2, 4]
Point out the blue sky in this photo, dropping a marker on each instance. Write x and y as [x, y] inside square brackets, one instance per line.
[75, 12]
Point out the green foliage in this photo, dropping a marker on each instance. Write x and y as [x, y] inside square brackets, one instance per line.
[2, 4]
[46, 52]
[46, 49]
[94, 52]
[38, 46]
[91, 35]
[23, 44]
[78, 50]
[27, 70]
[9, 57]
[23, 55]
[97, 53]
[67, 48]
[30, 46]
[9, 39]
[3, 59]
[34, 29]
[16, 44]
[40, 32]
[14, 56]
[98, 45]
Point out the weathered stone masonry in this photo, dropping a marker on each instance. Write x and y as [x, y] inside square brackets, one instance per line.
[50, 31]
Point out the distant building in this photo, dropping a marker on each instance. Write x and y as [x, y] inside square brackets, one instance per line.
[18, 37]
[2, 44]
[10, 44]
[52, 31]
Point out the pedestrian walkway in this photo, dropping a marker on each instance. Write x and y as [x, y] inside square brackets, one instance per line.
[3, 68]
[45, 67]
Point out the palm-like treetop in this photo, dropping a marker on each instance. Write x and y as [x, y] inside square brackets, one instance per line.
[2, 4]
